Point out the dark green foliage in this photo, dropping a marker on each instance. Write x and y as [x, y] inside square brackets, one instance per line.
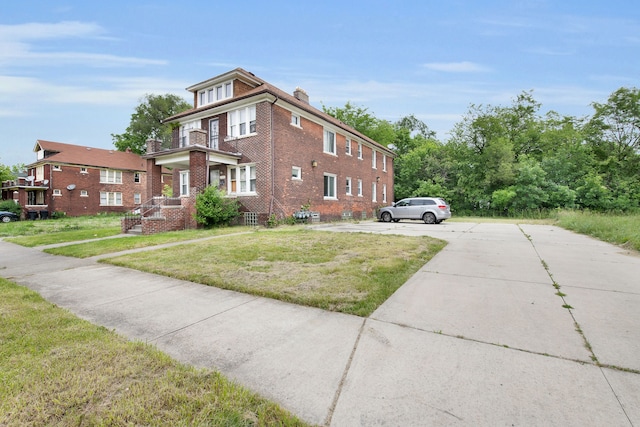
[214, 209]
[146, 122]
[508, 160]
[10, 206]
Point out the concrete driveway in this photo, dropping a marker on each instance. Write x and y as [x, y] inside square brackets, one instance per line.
[479, 336]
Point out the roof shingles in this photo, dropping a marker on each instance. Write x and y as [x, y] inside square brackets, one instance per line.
[88, 156]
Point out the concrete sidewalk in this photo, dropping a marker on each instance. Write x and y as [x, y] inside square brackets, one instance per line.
[477, 337]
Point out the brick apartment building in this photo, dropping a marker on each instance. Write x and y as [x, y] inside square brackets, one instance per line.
[79, 180]
[272, 151]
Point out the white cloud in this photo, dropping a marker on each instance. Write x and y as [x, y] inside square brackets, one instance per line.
[123, 91]
[456, 67]
[39, 31]
[19, 45]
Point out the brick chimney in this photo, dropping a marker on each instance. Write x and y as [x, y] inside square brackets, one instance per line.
[301, 95]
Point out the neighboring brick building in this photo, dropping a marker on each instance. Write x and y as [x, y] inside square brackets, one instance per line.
[273, 151]
[79, 180]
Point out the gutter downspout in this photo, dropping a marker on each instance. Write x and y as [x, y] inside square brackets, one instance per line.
[273, 158]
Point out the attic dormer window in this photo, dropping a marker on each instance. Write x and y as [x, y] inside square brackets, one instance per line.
[215, 93]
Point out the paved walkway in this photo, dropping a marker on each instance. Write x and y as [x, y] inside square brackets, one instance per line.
[479, 336]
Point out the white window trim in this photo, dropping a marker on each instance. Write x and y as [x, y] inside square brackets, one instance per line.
[210, 94]
[349, 186]
[185, 128]
[348, 147]
[374, 158]
[108, 195]
[110, 176]
[384, 193]
[184, 183]
[247, 180]
[84, 193]
[359, 188]
[374, 192]
[325, 141]
[57, 167]
[57, 192]
[234, 123]
[297, 123]
[84, 170]
[384, 163]
[335, 186]
[359, 150]
[298, 175]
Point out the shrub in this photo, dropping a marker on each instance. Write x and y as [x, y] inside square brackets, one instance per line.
[11, 206]
[212, 208]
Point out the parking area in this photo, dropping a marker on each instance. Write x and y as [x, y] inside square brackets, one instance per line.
[502, 327]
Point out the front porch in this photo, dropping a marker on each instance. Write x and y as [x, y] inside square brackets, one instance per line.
[194, 165]
[30, 193]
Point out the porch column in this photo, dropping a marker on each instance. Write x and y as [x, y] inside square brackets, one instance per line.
[198, 171]
[154, 179]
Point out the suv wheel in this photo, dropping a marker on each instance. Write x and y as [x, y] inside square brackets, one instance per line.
[385, 217]
[429, 218]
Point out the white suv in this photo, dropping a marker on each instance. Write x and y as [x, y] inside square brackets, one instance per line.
[431, 210]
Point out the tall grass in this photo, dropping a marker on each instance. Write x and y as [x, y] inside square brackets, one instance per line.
[619, 229]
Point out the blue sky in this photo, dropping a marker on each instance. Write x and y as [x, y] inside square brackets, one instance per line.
[74, 70]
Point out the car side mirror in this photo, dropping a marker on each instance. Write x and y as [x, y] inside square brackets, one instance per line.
[393, 204]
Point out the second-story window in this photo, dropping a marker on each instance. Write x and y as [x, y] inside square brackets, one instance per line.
[329, 142]
[373, 158]
[347, 149]
[242, 121]
[360, 150]
[108, 176]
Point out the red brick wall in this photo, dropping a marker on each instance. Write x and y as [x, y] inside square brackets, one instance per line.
[297, 146]
[72, 203]
[240, 88]
[197, 171]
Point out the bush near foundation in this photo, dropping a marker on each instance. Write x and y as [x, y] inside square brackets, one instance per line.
[213, 208]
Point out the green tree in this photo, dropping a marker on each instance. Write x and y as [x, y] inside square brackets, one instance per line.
[213, 209]
[364, 122]
[146, 122]
[6, 173]
[615, 126]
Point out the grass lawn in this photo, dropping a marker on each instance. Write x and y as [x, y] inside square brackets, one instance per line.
[100, 247]
[56, 369]
[68, 229]
[348, 272]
